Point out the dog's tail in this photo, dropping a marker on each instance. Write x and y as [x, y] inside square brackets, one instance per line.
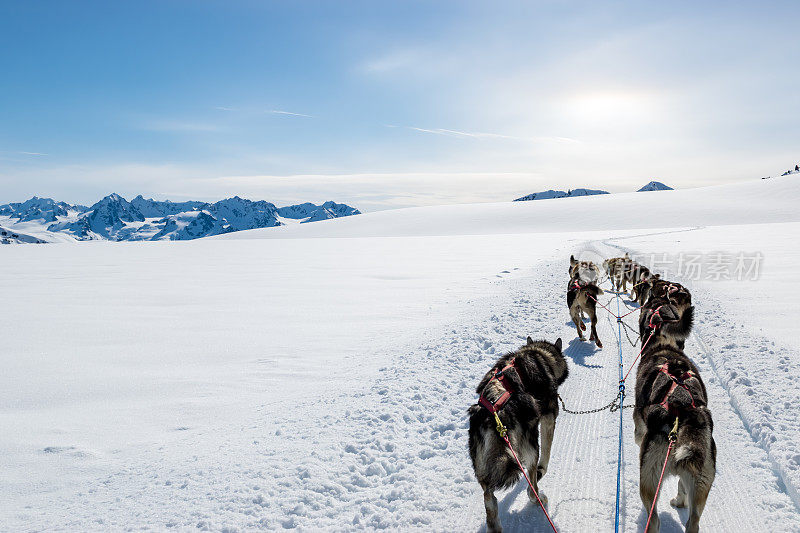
[694, 441]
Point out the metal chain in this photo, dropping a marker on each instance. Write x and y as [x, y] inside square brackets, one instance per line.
[613, 406]
[633, 344]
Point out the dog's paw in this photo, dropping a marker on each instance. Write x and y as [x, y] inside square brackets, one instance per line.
[677, 502]
[533, 499]
[598, 343]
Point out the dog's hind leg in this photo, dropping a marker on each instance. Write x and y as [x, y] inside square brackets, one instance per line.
[574, 313]
[593, 315]
[649, 470]
[697, 489]
[490, 502]
[533, 468]
[548, 424]
[679, 501]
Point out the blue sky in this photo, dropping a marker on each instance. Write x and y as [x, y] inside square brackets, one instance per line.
[389, 104]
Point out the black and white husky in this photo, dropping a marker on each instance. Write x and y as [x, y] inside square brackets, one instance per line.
[582, 293]
[533, 374]
[669, 309]
[669, 387]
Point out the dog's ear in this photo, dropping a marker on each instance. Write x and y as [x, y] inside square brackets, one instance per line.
[627, 256]
[558, 343]
[572, 260]
[530, 341]
[656, 276]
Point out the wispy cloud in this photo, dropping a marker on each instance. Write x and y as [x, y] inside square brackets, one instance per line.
[456, 133]
[33, 153]
[223, 108]
[281, 112]
[483, 135]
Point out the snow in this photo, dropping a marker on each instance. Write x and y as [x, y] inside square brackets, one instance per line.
[316, 376]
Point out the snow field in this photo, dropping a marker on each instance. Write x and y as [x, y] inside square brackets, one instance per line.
[316, 383]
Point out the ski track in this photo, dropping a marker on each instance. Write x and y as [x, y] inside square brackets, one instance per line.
[400, 456]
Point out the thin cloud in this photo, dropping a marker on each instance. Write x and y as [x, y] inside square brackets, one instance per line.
[223, 108]
[33, 153]
[281, 112]
[483, 135]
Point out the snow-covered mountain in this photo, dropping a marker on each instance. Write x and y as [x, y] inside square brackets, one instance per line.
[655, 186]
[115, 218]
[8, 236]
[547, 195]
[36, 208]
[314, 212]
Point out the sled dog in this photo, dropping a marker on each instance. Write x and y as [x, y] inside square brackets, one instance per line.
[668, 311]
[644, 283]
[582, 293]
[523, 388]
[668, 386]
[615, 268]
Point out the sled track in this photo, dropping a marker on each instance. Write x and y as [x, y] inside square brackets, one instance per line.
[580, 484]
[702, 347]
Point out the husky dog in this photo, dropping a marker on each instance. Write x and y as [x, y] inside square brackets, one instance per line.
[675, 293]
[644, 283]
[523, 387]
[670, 317]
[615, 269]
[669, 387]
[582, 293]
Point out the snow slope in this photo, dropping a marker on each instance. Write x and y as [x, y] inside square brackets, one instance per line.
[759, 201]
[281, 378]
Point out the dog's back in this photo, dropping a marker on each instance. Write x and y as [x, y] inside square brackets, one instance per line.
[669, 388]
[537, 370]
[690, 404]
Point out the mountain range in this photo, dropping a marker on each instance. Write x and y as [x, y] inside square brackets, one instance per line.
[115, 218]
[571, 193]
[550, 194]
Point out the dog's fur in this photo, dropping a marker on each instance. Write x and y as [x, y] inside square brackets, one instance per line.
[676, 311]
[582, 298]
[539, 369]
[644, 284]
[694, 455]
[615, 269]
[675, 293]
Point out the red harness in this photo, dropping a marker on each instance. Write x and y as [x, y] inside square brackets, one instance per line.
[679, 381]
[656, 312]
[500, 376]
